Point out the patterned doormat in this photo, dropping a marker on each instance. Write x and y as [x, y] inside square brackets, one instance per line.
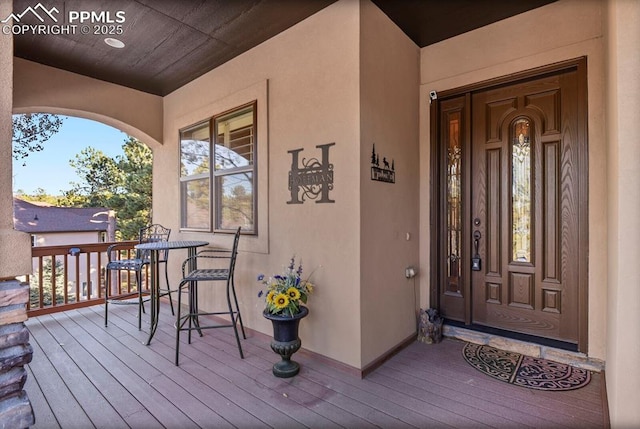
[525, 371]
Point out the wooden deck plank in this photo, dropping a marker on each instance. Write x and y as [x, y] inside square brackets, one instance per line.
[283, 394]
[341, 409]
[467, 391]
[45, 418]
[588, 397]
[500, 415]
[422, 386]
[141, 360]
[339, 383]
[86, 393]
[557, 409]
[201, 350]
[106, 352]
[127, 406]
[232, 392]
[226, 351]
[197, 384]
[296, 389]
[54, 387]
[461, 377]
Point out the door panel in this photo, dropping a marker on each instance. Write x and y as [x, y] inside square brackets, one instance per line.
[524, 191]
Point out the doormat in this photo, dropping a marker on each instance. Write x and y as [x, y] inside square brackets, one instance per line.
[525, 371]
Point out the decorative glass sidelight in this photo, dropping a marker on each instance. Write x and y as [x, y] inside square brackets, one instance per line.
[454, 203]
[521, 179]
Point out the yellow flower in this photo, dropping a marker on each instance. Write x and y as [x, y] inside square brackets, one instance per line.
[293, 293]
[270, 296]
[281, 301]
[309, 287]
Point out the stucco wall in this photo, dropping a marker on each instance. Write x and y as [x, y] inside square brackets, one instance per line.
[15, 247]
[345, 75]
[623, 114]
[311, 72]
[559, 31]
[40, 88]
[389, 78]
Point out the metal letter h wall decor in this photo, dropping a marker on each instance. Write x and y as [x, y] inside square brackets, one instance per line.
[314, 179]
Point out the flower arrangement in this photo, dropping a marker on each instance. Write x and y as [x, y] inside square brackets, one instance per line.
[286, 292]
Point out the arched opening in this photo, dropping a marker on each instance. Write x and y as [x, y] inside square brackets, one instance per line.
[86, 163]
[88, 185]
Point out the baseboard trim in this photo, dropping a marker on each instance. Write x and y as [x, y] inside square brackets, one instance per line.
[369, 368]
[340, 366]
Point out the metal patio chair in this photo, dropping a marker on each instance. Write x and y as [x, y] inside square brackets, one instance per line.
[151, 233]
[193, 276]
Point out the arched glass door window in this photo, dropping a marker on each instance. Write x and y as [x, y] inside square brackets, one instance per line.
[454, 202]
[521, 180]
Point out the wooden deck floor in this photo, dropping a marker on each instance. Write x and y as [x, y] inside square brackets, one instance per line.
[84, 375]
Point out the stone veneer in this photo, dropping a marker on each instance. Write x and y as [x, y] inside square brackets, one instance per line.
[579, 360]
[15, 353]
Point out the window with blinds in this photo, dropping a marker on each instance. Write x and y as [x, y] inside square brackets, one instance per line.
[219, 197]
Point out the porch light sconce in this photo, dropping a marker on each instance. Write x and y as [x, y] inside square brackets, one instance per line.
[74, 251]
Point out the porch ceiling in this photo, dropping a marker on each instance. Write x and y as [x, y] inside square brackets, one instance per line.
[171, 42]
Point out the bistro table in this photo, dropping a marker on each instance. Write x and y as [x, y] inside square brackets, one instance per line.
[155, 248]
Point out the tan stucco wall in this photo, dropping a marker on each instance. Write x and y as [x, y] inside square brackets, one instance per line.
[306, 81]
[623, 115]
[559, 31]
[39, 88]
[311, 72]
[389, 77]
[326, 80]
[15, 247]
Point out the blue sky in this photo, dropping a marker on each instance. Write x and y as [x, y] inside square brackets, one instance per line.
[50, 169]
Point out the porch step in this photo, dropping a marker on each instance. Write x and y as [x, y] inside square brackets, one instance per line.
[579, 360]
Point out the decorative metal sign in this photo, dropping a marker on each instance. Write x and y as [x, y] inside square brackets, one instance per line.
[385, 174]
[311, 180]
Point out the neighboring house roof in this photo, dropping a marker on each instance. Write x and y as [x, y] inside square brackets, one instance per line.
[39, 218]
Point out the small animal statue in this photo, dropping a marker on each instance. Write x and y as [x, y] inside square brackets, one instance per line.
[385, 163]
[429, 326]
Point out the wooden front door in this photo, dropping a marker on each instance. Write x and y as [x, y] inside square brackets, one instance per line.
[520, 267]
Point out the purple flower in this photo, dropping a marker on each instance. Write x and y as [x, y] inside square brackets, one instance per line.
[292, 264]
[260, 277]
[260, 294]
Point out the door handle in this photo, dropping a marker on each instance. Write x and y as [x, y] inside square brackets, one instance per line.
[476, 262]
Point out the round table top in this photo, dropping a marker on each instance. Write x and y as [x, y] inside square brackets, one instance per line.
[165, 245]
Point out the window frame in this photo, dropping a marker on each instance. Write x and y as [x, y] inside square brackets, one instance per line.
[185, 180]
[214, 216]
